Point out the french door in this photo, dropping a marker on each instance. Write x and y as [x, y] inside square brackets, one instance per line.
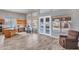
[45, 25]
[54, 26]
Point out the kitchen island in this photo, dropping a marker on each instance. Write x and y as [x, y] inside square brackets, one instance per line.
[9, 32]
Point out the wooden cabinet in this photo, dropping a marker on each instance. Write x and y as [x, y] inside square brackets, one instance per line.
[1, 21]
[21, 29]
[21, 22]
[9, 33]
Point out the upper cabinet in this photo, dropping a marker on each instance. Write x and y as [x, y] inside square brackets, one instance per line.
[21, 22]
[1, 20]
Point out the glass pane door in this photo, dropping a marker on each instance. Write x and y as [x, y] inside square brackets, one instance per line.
[48, 25]
[41, 25]
[65, 25]
[55, 26]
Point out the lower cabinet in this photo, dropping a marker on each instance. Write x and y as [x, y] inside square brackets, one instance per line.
[21, 29]
[9, 33]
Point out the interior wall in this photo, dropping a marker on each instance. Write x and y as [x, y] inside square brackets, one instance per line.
[75, 19]
[29, 18]
[11, 14]
[35, 20]
[56, 12]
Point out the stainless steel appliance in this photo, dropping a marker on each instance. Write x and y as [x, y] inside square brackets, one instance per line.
[0, 27]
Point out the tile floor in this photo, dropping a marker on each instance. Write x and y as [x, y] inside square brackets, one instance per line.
[27, 41]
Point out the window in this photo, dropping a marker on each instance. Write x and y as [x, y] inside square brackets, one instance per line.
[10, 22]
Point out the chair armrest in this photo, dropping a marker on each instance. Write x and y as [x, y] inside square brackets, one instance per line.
[65, 36]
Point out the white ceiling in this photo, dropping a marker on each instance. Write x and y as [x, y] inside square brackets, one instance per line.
[25, 11]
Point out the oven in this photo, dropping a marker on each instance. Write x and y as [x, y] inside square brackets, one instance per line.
[0, 27]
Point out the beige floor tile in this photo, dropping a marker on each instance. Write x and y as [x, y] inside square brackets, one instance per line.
[27, 41]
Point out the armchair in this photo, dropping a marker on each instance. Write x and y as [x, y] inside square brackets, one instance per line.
[70, 41]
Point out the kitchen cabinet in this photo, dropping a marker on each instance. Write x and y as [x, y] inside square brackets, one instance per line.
[21, 29]
[21, 22]
[9, 32]
[1, 21]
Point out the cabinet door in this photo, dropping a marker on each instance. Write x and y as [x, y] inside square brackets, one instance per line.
[1, 21]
